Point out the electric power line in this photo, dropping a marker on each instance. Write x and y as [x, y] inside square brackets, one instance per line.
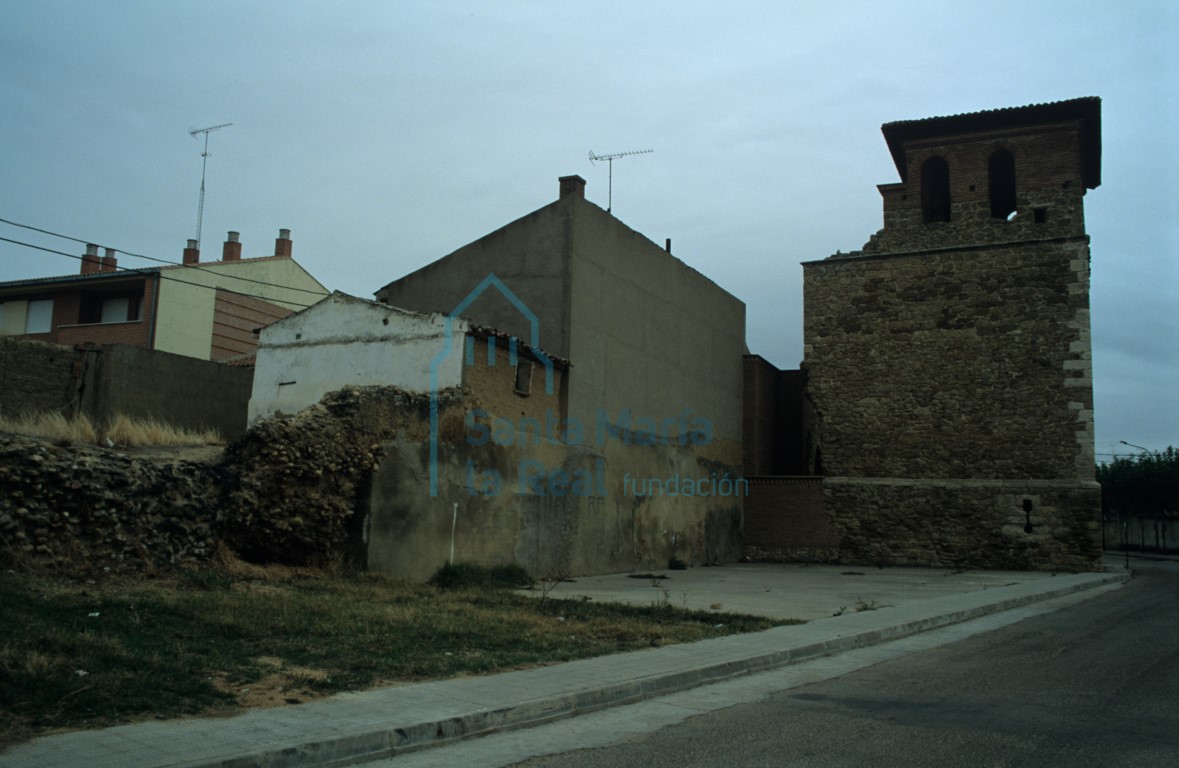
[198, 267]
[163, 276]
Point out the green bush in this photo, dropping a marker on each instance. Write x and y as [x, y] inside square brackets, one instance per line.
[1146, 485]
[469, 575]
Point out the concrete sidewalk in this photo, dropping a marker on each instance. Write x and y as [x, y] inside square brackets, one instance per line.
[892, 602]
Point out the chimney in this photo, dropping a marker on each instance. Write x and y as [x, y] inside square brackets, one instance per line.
[282, 245]
[192, 254]
[109, 262]
[572, 185]
[232, 250]
[90, 263]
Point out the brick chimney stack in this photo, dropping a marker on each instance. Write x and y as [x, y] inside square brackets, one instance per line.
[90, 263]
[282, 245]
[232, 250]
[572, 185]
[192, 254]
[109, 262]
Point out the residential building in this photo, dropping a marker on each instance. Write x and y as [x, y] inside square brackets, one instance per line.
[207, 310]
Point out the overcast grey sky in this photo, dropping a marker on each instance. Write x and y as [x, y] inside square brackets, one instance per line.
[387, 134]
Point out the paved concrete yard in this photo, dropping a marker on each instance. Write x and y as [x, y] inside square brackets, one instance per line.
[785, 591]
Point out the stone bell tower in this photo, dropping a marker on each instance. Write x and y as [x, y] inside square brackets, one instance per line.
[948, 361]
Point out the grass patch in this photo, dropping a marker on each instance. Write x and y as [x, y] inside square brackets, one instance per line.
[122, 430]
[471, 576]
[76, 655]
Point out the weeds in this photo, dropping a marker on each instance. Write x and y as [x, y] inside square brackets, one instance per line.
[867, 605]
[88, 655]
[122, 430]
[471, 576]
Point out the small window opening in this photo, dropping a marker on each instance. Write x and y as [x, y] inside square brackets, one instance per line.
[1039, 215]
[523, 377]
[935, 190]
[1001, 181]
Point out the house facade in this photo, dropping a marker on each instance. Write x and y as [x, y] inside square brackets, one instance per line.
[207, 310]
[652, 401]
[459, 481]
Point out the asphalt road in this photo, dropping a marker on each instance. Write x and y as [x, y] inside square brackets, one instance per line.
[1095, 684]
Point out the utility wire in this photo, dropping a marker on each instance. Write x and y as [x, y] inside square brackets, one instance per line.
[163, 276]
[150, 258]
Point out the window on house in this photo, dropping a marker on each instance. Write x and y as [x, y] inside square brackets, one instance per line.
[523, 377]
[119, 309]
[40, 316]
[1001, 181]
[935, 190]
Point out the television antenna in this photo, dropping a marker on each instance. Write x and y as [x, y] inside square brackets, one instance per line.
[204, 162]
[610, 159]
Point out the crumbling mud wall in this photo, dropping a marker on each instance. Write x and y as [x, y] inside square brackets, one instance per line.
[290, 491]
[293, 487]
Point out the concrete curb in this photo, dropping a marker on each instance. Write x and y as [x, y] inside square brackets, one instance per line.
[382, 723]
[400, 738]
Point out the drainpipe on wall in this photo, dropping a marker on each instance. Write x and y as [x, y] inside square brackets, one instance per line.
[155, 308]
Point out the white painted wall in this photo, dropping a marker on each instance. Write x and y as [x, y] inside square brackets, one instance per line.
[344, 340]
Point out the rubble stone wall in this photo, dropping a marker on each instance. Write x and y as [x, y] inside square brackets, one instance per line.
[287, 492]
[90, 510]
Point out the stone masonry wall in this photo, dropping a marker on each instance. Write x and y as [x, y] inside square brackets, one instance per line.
[951, 385]
[967, 523]
[969, 363]
[90, 510]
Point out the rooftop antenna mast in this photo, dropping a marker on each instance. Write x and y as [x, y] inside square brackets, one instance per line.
[204, 162]
[610, 159]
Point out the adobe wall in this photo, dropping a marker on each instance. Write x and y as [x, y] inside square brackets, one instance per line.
[101, 382]
[510, 492]
[38, 377]
[185, 391]
[555, 509]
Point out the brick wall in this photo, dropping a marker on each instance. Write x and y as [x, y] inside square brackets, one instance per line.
[775, 420]
[1049, 187]
[133, 333]
[785, 520]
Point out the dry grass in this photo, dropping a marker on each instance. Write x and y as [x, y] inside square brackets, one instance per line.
[123, 431]
[234, 635]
